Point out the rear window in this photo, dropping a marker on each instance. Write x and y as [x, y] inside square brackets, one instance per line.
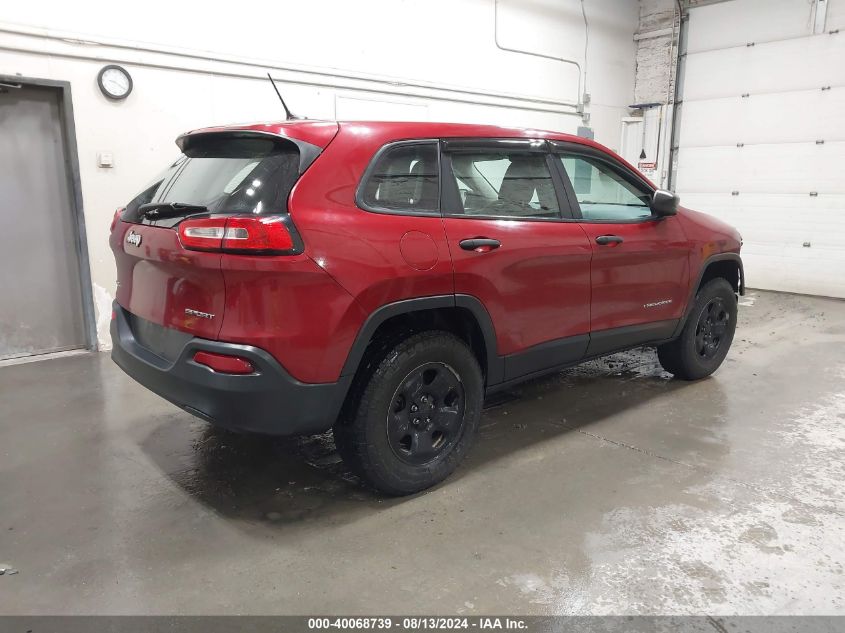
[512, 184]
[403, 178]
[226, 175]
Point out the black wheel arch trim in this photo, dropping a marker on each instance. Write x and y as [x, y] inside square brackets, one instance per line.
[495, 369]
[495, 364]
[719, 257]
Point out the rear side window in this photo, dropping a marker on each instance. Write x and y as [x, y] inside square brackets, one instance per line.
[505, 184]
[227, 175]
[403, 178]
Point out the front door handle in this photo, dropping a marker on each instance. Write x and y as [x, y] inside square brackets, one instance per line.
[609, 239]
[480, 244]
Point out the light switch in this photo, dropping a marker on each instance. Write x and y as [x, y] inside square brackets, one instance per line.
[105, 159]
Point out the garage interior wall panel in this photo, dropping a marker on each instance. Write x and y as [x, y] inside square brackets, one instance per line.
[804, 63]
[835, 15]
[767, 118]
[762, 137]
[193, 68]
[744, 21]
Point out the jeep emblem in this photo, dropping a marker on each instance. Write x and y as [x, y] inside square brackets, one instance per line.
[133, 238]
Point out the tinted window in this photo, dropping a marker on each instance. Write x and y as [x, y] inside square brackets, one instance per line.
[603, 193]
[156, 187]
[505, 184]
[227, 176]
[404, 178]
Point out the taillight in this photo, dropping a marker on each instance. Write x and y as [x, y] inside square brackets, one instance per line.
[202, 235]
[223, 363]
[239, 234]
[115, 218]
[257, 234]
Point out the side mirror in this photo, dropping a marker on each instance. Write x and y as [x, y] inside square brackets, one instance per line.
[664, 203]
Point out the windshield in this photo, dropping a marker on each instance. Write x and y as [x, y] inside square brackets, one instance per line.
[235, 175]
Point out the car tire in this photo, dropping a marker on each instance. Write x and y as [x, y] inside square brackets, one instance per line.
[412, 413]
[707, 335]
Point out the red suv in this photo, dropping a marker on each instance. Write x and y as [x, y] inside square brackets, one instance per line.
[381, 278]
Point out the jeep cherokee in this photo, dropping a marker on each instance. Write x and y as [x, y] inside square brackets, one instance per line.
[379, 279]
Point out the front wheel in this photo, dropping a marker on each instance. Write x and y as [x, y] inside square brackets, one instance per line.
[707, 335]
[410, 423]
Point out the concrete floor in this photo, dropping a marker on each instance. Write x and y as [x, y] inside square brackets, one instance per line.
[609, 488]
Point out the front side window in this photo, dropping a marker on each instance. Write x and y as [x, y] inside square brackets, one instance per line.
[602, 193]
[404, 178]
[508, 183]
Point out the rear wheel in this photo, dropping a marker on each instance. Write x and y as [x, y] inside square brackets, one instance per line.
[707, 335]
[411, 421]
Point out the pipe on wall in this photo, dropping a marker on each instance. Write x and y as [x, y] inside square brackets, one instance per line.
[329, 78]
[582, 73]
[674, 130]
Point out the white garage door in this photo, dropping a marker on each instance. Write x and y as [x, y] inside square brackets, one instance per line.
[762, 135]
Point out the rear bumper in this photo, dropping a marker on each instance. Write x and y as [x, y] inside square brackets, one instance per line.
[267, 401]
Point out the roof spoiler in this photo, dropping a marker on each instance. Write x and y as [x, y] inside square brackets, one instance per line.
[308, 153]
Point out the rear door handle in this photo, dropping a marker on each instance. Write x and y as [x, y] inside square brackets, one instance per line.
[480, 244]
[609, 239]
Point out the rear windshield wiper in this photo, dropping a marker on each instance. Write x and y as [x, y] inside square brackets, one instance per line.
[156, 210]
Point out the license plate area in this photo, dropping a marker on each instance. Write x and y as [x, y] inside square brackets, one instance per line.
[164, 342]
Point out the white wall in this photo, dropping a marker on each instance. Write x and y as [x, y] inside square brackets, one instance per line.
[194, 64]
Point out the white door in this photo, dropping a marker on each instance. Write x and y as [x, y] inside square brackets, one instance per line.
[762, 136]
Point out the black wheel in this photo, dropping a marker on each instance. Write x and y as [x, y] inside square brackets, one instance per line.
[707, 335]
[410, 422]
